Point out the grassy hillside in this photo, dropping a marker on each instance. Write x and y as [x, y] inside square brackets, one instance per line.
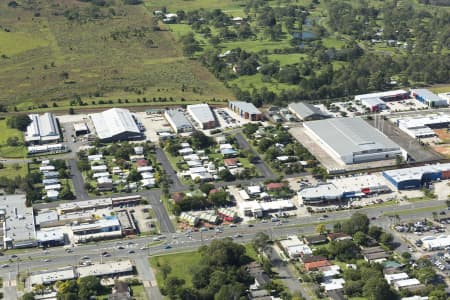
[53, 50]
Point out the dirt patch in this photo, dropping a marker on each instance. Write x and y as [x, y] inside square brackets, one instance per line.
[443, 134]
[443, 150]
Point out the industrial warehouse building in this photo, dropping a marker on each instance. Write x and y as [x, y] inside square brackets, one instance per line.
[422, 127]
[42, 129]
[178, 121]
[246, 110]
[428, 98]
[417, 177]
[343, 189]
[202, 115]
[116, 124]
[385, 96]
[374, 104]
[376, 101]
[307, 112]
[352, 140]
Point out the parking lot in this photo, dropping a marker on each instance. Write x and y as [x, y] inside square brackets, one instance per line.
[153, 123]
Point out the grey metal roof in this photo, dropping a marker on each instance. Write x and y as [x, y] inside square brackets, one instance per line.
[305, 110]
[201, 113]
[372, 102]
[246, 107]
[424, 93]
[178, 118]
[350, 135]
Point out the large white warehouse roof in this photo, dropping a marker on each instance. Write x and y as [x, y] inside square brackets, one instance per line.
[42, 128]
[351, 137]
[201, 113]
[115, 123]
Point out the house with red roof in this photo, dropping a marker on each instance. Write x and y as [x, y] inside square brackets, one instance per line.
[230, 162]
[142, 162]
[275, 186]
[314, 265]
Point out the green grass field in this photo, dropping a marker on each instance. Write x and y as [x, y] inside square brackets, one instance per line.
[13, 170]
[9, 151]
[180, 263]
[49, 58]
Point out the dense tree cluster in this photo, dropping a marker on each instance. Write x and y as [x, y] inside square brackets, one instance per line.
[202, 200]
[20, 122]
[220, 274]
[83, 288]
[367, 281]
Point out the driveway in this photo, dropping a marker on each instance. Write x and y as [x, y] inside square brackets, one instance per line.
[263, 169]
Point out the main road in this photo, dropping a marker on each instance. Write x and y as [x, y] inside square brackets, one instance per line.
[138, 249]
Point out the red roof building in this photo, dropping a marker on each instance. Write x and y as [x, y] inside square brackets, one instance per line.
[312, 266]
[213, 191]
[230, 162]
[275, 186]
[142, 162]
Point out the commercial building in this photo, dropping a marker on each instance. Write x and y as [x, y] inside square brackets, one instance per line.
[307, 112]
[352, 140]
[417, 177]
[373, 104]
[116, 124]
[344, 188]
[432, 243]
[428, 98]
[46, 148]
[260, 208]
[126, 222]
[50, 237]
[87, 205]
[108, 269]
[385, 96]
[80, 129]
[42, 129]
[202, 115]
[109, 227]
[422, 127]
[246, 110]
[445, 96]
[17, 223]
[178, 121]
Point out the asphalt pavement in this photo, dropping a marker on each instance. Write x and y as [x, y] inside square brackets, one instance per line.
[285, 273]
[154, 197]
[77, 179]
[33, 259]
[148, 278]
[175, 183]
[263, 169]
